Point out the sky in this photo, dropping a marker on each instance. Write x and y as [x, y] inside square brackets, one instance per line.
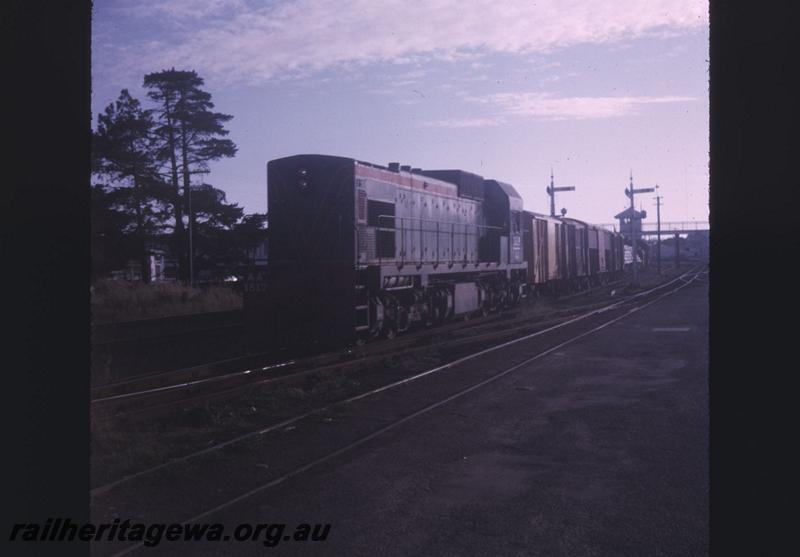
[594, 90]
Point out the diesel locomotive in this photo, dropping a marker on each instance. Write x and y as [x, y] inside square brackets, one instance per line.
[359, 250]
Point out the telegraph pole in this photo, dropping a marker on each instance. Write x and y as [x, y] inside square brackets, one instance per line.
[658, 230]
[191, 225]
[191, 247]
[551, 191]
[630, 193]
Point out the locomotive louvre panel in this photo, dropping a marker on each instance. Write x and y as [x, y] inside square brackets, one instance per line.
[442, 238]
[435, 229]
[428, 227]
[365, 238]
[366, 244]
[361, 203]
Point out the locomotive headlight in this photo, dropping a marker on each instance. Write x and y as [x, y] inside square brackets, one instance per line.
[302, 182]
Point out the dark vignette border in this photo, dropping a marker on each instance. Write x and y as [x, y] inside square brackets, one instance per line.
[45, 264]
[45, 267]
[754, 238]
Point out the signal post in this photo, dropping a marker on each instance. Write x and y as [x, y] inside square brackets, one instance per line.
[630, 192]
[551, 191]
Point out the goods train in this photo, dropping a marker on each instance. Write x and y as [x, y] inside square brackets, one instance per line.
[359, 250]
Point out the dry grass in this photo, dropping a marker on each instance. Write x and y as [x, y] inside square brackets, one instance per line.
[117, 300]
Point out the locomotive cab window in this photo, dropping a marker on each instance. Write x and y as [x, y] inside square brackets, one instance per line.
[379, 213]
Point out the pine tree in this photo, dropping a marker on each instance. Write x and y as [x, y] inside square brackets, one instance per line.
[122, 150]
[249, 233]
[190, 136]
[110, 246]
[215, 220]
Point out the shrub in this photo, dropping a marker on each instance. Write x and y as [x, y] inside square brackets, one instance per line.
[118, 300]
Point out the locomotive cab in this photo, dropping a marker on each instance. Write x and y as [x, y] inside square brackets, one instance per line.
[503, 216]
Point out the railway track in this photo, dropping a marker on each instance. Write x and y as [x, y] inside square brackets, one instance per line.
[162, 394]
[590, 322]
[158, 394]
[121, 350]
[487, 341]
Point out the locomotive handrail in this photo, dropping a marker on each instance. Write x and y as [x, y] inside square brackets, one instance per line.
[486, 226]
[468, 229]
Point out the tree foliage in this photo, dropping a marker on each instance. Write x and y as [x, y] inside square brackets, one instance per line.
[122, 151]
[148, 161]
[189, 135]
[110, 245]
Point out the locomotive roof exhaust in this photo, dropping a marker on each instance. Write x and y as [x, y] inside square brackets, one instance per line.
[394, 166]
